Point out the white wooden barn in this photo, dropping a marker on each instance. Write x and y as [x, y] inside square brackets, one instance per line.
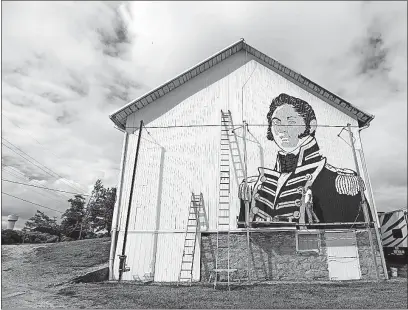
[180, 153]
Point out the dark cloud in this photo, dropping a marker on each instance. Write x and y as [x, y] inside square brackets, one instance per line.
[66, 118]
[373, 55]
[116, 40]
[77, 83]
[54, 97]
[122, 89]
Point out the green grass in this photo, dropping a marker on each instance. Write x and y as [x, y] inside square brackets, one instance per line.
[56, 263]
[83, 253]
[385, 295]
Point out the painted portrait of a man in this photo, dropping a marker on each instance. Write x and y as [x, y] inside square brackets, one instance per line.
[300, 172]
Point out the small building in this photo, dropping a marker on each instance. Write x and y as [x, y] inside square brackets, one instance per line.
[241, 168]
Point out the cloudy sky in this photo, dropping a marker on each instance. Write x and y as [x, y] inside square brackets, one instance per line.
[67, 65]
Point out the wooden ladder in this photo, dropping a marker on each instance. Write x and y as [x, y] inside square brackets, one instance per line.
[223, 218]
[190, 240]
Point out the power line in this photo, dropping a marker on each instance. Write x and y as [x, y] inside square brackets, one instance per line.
[27, 159]
[21, 176]
[155, 142]
[35, 161]
[63, 179]
[35, 139]
[32, 202]
[218, 125]
[57, 197]
[51, 189]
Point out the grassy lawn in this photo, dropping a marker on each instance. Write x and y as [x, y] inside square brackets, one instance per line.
[385, 295]
[31, 270]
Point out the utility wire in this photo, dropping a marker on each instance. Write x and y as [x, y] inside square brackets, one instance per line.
[57, 197]
[155, 142]
[51, 189]
[37, 162]
[21, 176]
[34, 139]
[32, 202]
[249, 125]
[63, 179]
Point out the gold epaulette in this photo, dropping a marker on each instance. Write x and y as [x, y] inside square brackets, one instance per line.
[347, 181]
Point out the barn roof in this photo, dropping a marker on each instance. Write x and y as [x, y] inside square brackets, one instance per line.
[119, 117]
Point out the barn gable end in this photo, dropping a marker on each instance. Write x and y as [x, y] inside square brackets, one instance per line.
[119, 116]
[180, 155]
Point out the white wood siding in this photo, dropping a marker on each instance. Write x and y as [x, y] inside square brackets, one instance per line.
[191, 155]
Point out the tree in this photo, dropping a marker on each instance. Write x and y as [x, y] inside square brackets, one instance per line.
[101, 208]
[43, 223]
[73, 217]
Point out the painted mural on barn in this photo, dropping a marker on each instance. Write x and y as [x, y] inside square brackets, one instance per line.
[180, 155]
[301, 186]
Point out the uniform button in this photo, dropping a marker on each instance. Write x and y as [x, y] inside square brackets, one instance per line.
[256, 197]
[298, 202]
[262, 178]
[300, 189]
[296, 214]
[255, 210]
[309, 176]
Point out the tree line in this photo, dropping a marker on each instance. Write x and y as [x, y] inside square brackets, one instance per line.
[82, 219]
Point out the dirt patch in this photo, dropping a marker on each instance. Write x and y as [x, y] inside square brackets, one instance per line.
[32, 274]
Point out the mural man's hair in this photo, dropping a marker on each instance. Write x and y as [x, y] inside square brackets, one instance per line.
[302, 107]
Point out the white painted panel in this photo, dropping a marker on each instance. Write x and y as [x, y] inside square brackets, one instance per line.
[191, 154]
[342, 256]
[169, 257]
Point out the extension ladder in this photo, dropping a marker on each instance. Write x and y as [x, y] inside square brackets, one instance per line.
[234, 146]
[190, 240]
[223, 219]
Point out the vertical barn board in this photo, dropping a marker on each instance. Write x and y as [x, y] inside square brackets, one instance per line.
[144, 203]
[342, 255]
[144, 206]
[191, 162]
[127, 179]
[169, 256]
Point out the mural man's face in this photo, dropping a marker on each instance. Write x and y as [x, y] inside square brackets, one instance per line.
[287, 125]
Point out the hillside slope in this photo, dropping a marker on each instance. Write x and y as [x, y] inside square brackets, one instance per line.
[31, 272]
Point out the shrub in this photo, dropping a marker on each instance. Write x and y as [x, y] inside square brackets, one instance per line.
[9, 236]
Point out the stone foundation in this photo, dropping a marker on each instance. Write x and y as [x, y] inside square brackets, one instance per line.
[273, 256]
[365, 254]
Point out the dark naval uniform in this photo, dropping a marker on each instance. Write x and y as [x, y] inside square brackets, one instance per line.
[275, 195]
